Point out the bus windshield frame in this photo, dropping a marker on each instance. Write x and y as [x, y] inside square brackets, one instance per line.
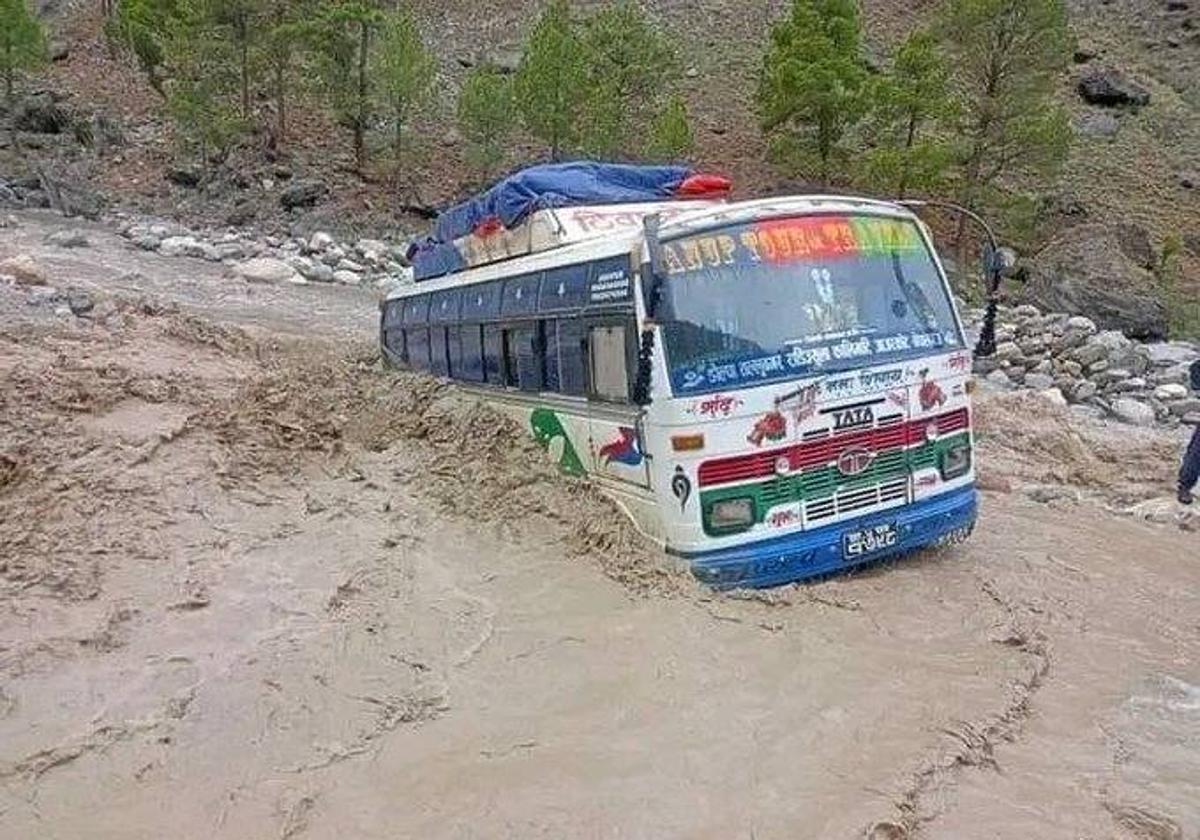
[781, 298]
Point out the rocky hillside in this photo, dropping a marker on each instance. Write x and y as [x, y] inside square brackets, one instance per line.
[1127, 201]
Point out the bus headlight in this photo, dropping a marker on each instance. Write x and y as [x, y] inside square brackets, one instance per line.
[956, 461]
[731, 514]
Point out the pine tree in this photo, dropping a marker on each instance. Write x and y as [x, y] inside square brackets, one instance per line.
[551, 82]
[485, 117]
[202, 79]
[1007, 56]
[238, 23]
[671, 135]
[22, 42]
[343, 33]
[404, 70]
[286, 32]
[907, 103]
[811, 92]
[630, 65]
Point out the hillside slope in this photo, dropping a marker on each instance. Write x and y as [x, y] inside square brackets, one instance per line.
[1132, 167]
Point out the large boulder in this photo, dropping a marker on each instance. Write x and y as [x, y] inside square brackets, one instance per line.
[1085, 271]
[303, 194]
[1109, 88]
[268, 270]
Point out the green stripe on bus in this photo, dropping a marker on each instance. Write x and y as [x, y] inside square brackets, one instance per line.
[814, 485]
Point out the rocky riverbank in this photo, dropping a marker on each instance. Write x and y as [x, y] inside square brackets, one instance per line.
[1099, 373]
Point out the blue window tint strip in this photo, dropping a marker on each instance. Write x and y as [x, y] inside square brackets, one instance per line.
[443, 308]
[529, 360]
[416, 310]
[520, 295]
[471, 342]
[572, 367]
[438, 362]
[564, 289]
[610, 283]
[482, 302]
[418, 347]
[493, 353]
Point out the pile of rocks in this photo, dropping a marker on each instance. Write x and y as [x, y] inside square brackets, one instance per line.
[1099, 372]
[319, 258]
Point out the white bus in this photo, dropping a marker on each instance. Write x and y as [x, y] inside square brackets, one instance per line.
[771, 389]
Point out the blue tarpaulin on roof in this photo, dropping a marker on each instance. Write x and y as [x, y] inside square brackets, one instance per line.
[512, 199]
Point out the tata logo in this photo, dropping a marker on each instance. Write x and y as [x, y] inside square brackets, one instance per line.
[852, 418]
[855, 461]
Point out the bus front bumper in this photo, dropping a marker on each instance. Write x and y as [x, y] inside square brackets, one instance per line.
[820, 552]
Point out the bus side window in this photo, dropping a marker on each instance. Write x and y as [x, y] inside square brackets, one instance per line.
[550, 375]
[417, 339]
[493, 354]
[609, 355]
[454, 342]
[471, 339]
[527, 345]
[572, 365]
[439, 364]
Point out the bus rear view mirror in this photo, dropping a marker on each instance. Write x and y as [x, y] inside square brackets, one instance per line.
[1001, 262]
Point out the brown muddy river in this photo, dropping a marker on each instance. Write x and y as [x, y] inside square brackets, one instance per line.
[252, 586]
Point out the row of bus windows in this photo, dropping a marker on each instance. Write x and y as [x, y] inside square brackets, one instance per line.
[564, 355]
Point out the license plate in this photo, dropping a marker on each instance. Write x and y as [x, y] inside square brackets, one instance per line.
[867, 541]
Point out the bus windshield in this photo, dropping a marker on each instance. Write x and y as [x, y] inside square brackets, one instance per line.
[784, 298]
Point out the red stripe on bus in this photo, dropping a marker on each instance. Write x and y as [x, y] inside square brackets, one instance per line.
[822, 452]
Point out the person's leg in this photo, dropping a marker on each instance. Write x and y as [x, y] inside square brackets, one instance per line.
[1189, 472]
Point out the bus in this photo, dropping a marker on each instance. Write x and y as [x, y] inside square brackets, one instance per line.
[772, 389]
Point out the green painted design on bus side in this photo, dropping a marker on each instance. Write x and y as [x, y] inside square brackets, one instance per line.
[816, 484]
[548, 428]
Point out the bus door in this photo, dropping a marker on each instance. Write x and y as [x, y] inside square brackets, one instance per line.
[616, 440]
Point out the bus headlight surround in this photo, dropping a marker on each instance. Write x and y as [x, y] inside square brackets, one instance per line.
[726, 515]
[955, 461]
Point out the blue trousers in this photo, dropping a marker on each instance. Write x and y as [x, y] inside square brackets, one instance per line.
[1189, 473]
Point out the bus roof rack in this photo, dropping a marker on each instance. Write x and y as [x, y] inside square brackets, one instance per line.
[551, 205]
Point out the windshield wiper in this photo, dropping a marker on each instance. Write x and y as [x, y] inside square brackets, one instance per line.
[914, 296]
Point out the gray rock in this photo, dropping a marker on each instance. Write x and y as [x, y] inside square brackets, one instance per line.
[1054, 396]
[1133, 412]
[304, 193]
[333, 255]
[1085, 271]
[182, 246]
[1084, 391]
[80, 302]
[1089, 354]
[1184, 408]
[147, 242]
[267, 270]
[1110, 88]
[348, 278]
[350, 265]
[309, 269]
[58, 51]
[1007, 351]
[1173, 391]
[999, 379]
[319, 242]
[1039, 381]
[1168, 353]
[1083, 324]
[68, 239]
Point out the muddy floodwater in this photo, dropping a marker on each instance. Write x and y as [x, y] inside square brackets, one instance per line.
[252, 585]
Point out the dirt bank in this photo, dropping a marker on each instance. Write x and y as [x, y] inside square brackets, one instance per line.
[252, 586]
